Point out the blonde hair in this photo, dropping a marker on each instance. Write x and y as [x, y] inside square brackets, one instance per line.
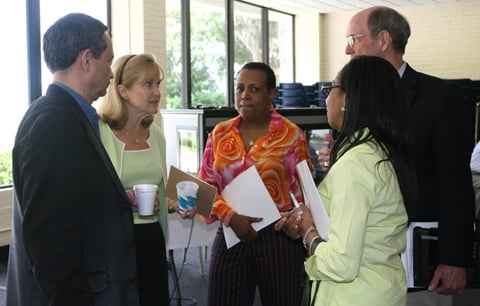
[126, 71]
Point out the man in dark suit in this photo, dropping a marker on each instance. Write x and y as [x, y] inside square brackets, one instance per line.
[443, 141]
[72, 237]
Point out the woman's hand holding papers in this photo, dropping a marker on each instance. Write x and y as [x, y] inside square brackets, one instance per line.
[295, 222]
[242, 227]
[289, 223]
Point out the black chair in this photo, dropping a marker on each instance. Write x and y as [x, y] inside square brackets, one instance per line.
[293, 85]
[292, 95]
[276, 100]
[310, 94]
[291, 92]
[293, 101]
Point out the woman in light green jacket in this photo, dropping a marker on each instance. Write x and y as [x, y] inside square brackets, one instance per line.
[367, 192]
[136, 146]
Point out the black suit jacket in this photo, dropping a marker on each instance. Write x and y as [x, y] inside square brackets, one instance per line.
[73, 237]
[443, 143]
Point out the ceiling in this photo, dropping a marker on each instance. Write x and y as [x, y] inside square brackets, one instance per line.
[328, 6]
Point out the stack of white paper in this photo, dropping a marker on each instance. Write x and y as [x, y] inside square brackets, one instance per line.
[313, 200]
[248, 196]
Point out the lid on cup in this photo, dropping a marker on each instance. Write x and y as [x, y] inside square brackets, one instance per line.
[145, 187]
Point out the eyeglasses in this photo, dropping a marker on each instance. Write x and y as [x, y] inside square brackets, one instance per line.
[326, 89]
[350, 40]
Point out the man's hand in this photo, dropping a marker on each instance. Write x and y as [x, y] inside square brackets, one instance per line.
[448, 280]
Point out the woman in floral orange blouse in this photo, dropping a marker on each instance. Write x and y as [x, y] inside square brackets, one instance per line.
[258, 136]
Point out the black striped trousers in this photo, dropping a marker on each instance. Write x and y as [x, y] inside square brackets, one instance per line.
[273, 262]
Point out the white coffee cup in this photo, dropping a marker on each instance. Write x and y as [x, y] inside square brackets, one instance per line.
[145, 194]
[187, 195]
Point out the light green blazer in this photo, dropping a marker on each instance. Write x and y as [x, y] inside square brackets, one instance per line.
[156, 141]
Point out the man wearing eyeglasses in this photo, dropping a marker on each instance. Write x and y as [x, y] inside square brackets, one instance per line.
[443, 141]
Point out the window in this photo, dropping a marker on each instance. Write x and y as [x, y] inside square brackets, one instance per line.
[51, 10]
[174, 54]
[207, 54]
[15, 76]
[15, 82]
[259, 34]
[248, 34]
[280, 45]
[207, 49]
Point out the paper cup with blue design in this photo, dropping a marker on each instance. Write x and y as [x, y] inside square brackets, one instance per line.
[187, 195]
[145, 194]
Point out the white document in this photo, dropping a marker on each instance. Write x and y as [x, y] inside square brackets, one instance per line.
[313, 200]
[407, 255]
[248, 196]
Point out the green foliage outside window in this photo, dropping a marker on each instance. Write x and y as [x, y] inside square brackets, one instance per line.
[6, 168]
[208, 68]
[208, 61]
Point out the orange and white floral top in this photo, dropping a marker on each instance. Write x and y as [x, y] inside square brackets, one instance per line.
[274, 155]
